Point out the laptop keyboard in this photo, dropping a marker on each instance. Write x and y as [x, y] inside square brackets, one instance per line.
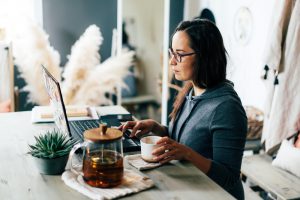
[81, 126]
[78, 128]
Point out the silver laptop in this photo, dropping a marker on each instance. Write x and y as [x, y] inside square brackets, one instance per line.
[75, 129]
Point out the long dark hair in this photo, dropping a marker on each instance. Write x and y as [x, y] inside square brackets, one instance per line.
[210, 66]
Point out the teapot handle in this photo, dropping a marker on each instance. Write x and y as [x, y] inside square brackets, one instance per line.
[72, 152]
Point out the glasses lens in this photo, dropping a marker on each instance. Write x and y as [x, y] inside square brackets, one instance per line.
[171, 53]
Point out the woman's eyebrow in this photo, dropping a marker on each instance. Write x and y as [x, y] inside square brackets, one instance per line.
[180, 50]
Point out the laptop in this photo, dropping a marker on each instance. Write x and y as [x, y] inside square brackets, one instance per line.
[75, 129]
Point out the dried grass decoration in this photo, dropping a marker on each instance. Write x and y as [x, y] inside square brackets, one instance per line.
[86, 79]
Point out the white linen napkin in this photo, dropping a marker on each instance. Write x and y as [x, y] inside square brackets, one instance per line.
[137, 162]
[132, 183]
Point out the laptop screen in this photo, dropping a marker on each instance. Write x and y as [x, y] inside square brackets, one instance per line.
[56, 102]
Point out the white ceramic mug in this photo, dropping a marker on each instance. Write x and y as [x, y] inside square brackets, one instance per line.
[148, 144]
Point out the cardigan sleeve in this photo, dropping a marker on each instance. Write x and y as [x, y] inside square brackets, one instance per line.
[228, 128]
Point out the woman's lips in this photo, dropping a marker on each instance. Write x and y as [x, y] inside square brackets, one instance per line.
[174, 70]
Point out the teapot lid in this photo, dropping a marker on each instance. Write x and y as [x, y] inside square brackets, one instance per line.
[102, 134]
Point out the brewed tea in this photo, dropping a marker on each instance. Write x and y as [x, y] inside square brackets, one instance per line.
[103, 169]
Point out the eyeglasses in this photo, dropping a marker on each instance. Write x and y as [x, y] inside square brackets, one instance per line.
[178, 56]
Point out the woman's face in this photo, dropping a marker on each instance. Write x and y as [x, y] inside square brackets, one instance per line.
[183, 70]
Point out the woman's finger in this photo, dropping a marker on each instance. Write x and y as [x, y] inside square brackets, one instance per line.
[165, 140]
[162, 149]
[141, 133]
[166, 160]
[165, 155]
[138, 126]
[121, 127]
[128, 125]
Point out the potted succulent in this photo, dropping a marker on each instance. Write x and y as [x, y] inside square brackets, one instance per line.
[51, 151]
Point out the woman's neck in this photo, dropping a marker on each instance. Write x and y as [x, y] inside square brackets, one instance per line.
[198, 91]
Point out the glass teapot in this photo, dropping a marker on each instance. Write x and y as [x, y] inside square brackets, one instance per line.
[102, 157]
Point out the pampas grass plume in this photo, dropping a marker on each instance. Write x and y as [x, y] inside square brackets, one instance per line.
[104, 79]
[86, 81]
[84, 57]
[30, 52]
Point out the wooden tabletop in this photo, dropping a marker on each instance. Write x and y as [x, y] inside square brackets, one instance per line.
[20, 179]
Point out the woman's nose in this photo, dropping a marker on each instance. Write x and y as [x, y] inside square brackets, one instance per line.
[172, 60]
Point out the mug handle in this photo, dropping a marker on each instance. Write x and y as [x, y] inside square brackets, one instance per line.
[72, 152]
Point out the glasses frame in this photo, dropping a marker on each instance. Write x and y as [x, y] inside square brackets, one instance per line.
[178, 56]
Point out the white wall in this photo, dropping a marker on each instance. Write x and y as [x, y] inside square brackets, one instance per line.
[10, 14]
[245, 66]
[146, 34]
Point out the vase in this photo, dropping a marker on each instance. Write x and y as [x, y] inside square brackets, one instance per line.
[53, 166]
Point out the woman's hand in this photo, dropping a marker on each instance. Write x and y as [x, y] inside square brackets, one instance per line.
[170, 150]
[139, 128]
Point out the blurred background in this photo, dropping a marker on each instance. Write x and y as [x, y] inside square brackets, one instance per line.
[143, 27]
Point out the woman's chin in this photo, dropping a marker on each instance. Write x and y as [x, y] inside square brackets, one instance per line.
[179, 78]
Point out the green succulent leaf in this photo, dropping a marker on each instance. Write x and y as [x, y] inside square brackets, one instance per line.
[52, 144]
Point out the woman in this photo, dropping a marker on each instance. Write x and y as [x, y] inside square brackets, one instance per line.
[208, 123]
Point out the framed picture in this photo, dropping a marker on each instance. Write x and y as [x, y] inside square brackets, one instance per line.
[243, 25]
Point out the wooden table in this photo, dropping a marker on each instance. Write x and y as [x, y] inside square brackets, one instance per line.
[19, 178]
